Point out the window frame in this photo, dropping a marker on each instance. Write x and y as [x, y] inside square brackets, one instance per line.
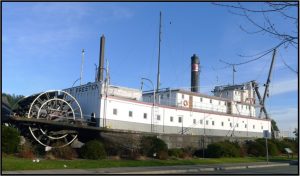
[180, 119]
[115, 111]
[158, 117]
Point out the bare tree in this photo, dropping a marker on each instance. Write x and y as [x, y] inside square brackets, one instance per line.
[284, 10]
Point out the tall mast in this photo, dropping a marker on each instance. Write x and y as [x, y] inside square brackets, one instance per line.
[81, 71]
[158, 65]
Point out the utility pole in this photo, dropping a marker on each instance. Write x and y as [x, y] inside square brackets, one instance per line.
[266, 93]
[158, 65]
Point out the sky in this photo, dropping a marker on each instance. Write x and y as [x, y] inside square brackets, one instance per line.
[42, 44]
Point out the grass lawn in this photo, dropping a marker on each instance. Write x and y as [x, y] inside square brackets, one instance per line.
[15, 163]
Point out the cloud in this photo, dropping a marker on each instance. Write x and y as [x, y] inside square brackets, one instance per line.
[281, 87]
[121, 12]
[284, 86]
[54, 26]
[69, 10]
[286, 118]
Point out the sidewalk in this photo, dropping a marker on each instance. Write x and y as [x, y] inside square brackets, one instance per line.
[155, 169]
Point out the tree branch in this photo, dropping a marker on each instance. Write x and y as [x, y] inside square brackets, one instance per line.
[250, 10]
[266, 30]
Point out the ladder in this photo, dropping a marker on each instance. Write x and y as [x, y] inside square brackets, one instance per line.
[155, 122]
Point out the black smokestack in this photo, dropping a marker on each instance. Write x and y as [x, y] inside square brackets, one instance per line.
[195, 73]
[101, 59]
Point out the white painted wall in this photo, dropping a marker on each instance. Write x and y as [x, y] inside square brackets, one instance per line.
[88, 97]
[138, 109]
[124, 92]
[211, 104]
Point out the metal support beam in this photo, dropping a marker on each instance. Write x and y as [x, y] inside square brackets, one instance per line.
[255, 86]
[267, 85]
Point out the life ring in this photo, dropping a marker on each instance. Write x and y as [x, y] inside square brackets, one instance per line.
[185, 103]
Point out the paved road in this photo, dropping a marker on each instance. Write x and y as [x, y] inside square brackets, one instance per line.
[237, 168]
[286, 170]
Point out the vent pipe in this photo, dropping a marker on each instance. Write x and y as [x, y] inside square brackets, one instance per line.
[195, 73]
[101, 59]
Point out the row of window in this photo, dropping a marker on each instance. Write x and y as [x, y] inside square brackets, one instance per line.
[130, 114]
[210, 100]
[201, 100]
[222, 123]
[161, 96]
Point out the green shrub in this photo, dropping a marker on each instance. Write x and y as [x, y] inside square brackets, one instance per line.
[10, 140]
[134, 154]
[272, 148]
[255, 149]
[112, 149]
[93, 149]
[176, 152]
[199, 153]
[187, 152]
[163, 155]
[286, 143]
[240, 147]
[292, 144]
[258, 147]
[39, 150]
[214, 150]
[26, 150]
[152, 146]
[223, 149]
[66, 152]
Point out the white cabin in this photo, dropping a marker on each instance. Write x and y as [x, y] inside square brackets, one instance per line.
[175, 112]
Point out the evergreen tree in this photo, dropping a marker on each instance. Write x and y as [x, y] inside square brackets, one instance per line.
[11, 100]
[273, 128]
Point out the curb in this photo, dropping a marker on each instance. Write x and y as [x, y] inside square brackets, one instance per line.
[269, 165]
[204, 169]
[233, 167]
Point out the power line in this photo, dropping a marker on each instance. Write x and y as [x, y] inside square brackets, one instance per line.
[261, 71]
[289, 67]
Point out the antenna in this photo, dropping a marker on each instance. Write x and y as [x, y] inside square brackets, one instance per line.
[233, 69]
[158, 65]
[82, 60]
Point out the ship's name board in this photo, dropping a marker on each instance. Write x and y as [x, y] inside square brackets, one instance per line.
[84, 88]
